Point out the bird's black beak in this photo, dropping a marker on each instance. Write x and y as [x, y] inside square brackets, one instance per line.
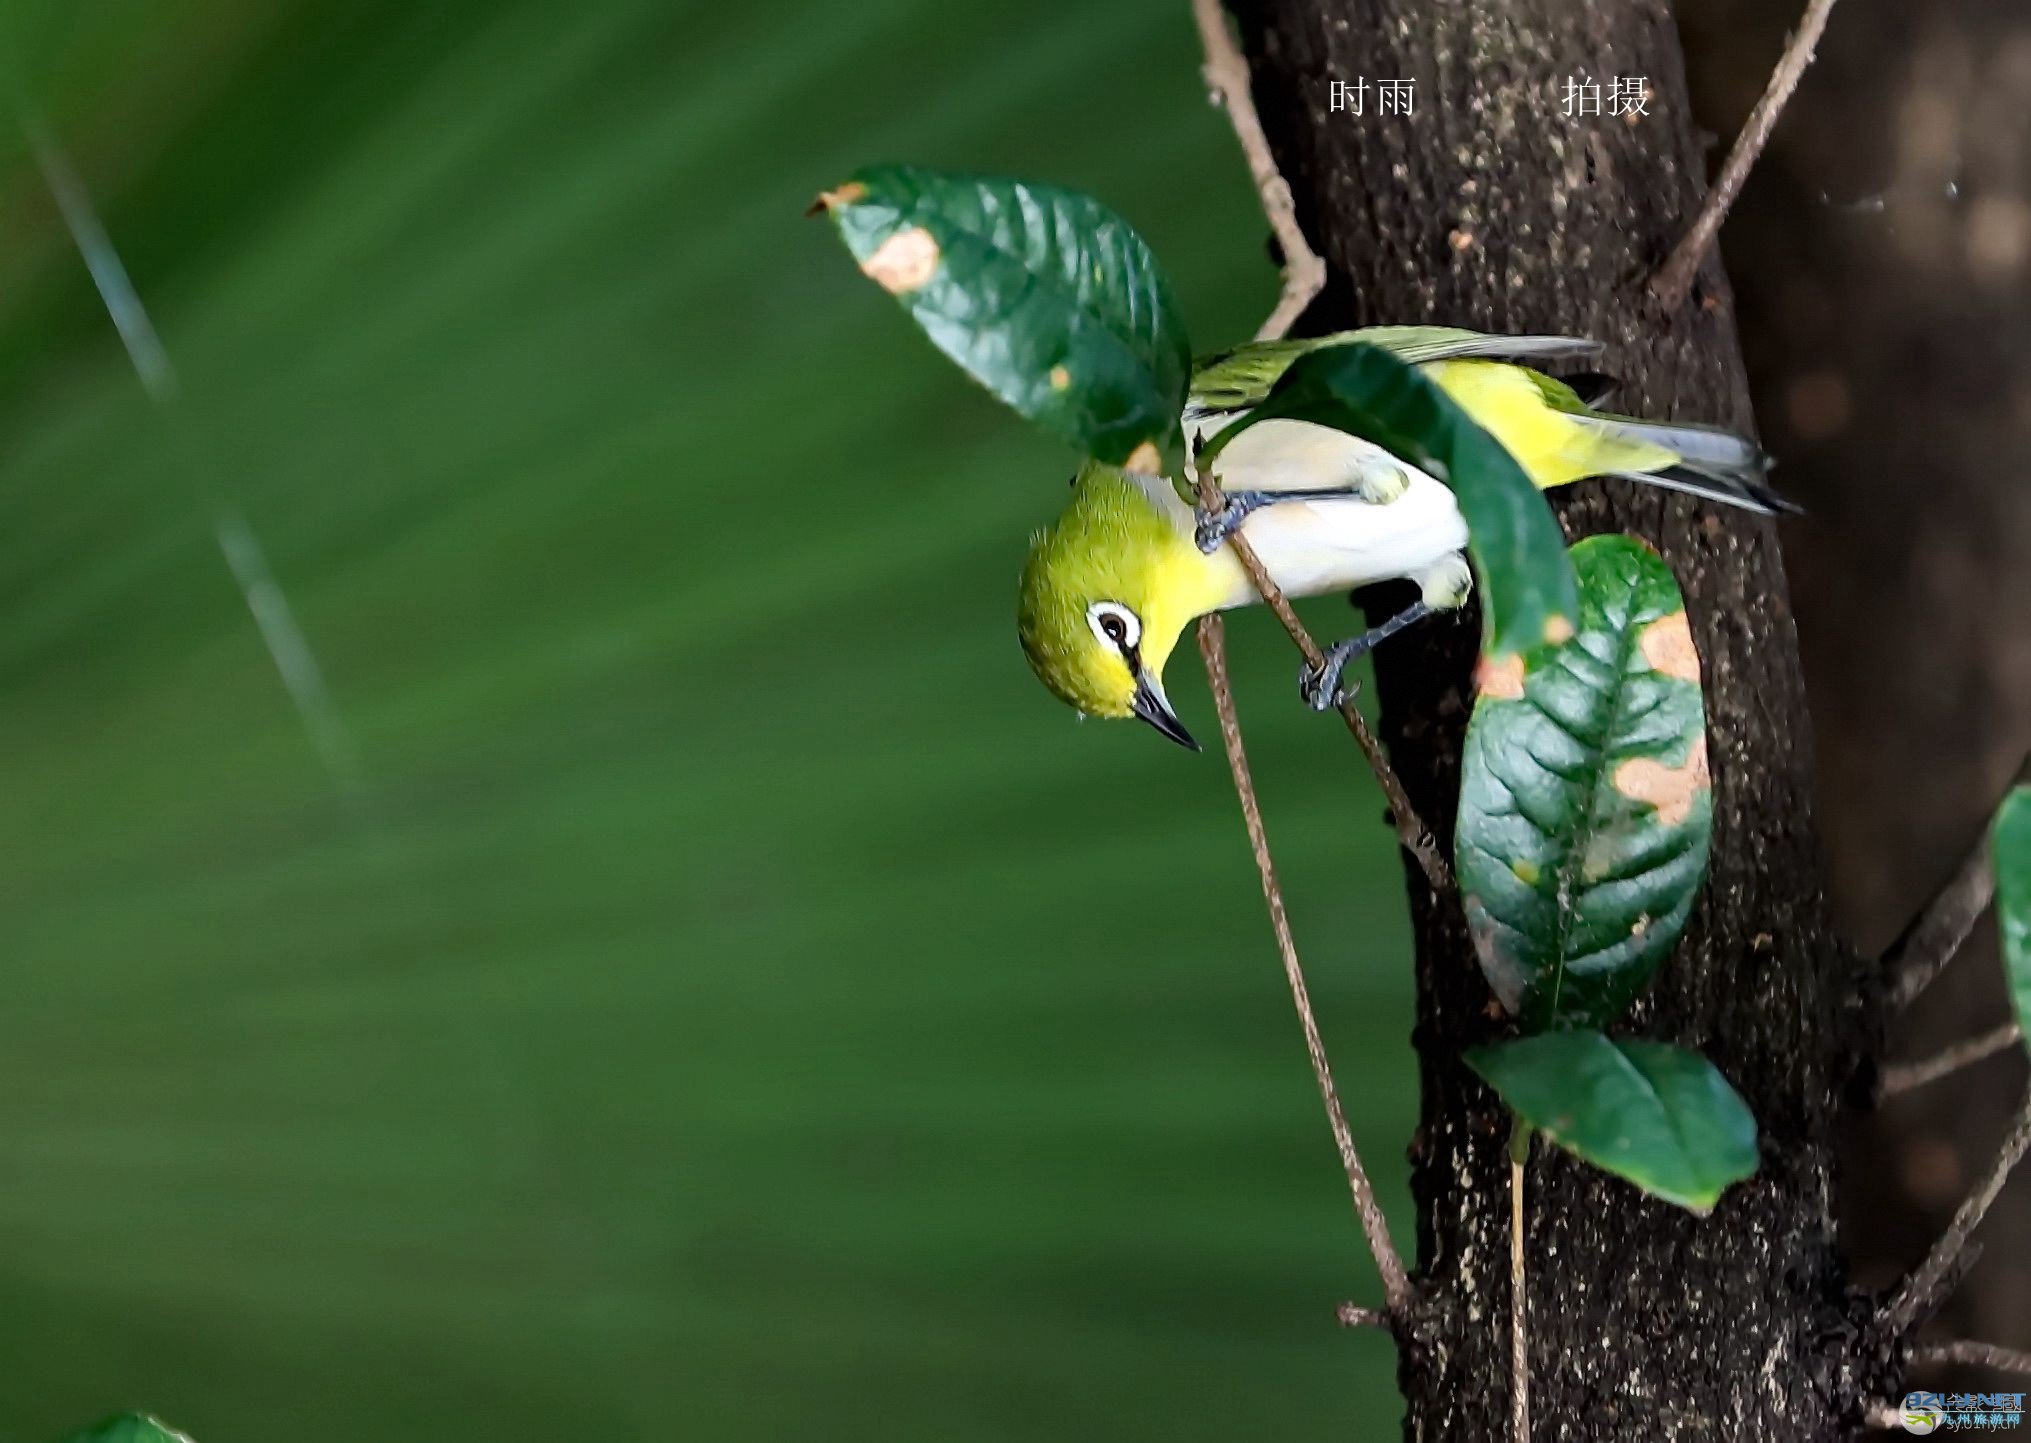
[1152, 706]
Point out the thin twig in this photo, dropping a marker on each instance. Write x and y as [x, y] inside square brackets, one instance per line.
[1303, 277]
[1519, 1307]
[289, 648]
[1395, 1281]
[1674, 279]
[1974, 1355]
[1909, 1075]
[1919, 1291]
[1934, 937]
[1353, 1315]
[1304, 274]
[1521, 1135]
[1410, 828]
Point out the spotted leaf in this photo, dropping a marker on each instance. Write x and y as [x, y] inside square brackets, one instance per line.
[1042, 294]
[1585, 803]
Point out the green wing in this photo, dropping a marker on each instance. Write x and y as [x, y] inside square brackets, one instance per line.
[1237, 379]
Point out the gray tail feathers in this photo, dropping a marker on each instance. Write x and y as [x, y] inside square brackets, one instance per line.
[1713, 463]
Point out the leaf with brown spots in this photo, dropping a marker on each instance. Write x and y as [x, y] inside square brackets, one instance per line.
[1041, 294]
[1500, 677]
[1585, 801]
[1673, 790]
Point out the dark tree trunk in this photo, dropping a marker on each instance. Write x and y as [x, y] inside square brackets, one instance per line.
[1489, 207]
[1890, 183]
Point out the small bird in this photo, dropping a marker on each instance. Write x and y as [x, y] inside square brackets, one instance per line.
[1110, 586]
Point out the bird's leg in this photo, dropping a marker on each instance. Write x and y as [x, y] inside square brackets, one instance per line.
[1214, 527]
[1377, 482]
[1321, 687]
[1382, 481]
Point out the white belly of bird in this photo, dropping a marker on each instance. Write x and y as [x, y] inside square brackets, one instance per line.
[1337, 542]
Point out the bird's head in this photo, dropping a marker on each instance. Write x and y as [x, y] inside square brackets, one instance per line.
[1105, 594]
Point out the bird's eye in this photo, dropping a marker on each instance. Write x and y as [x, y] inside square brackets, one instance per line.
[1114, 624]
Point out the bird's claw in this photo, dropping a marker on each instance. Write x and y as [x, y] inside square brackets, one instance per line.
[1214, 527]
[1321, 686]
[1383, 484]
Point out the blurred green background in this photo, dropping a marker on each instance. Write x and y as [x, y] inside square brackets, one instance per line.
[736, 1002]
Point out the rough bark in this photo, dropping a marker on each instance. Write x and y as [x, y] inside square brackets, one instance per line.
[1883, 266]
[1489, 207]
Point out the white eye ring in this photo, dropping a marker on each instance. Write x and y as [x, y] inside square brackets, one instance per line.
[1115, 625]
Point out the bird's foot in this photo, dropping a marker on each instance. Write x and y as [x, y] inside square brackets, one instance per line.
[1212, 528]
[1321, 686]
[1382, 482]
[1446, 586]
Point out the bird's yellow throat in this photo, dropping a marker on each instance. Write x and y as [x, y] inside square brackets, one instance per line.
[1125, 539]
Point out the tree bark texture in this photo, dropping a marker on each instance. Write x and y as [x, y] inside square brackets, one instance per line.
[1490, 207]
[1882, 259]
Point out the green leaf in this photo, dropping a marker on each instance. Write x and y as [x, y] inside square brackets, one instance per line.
[130, 1428]
[1043, 295]
[1585, 804]
[1527, 595]
[2010, 845]
[1661, 1117]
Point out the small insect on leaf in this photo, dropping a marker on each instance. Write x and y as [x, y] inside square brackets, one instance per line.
[1585, 798]
[1042, 294]
[1660, 1117]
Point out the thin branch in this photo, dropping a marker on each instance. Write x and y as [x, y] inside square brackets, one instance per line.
[1304, 274]
[1909, 1075]
[1674, 279]
[289, 648]
[1519, 1304]
[1411, 831]
[1973, 1355]
[1396, 1289]
[1934, 937]
[1920, 1292]
[1353, 1315]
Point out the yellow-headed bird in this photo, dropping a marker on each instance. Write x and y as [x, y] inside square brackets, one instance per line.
[1108, 589]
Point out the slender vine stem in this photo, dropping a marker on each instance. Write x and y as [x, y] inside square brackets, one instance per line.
[1304, 274]
[1519, 1298]
[1936, 934]
[1396, 1290]
[1674, 279]
[1977, 1355]
[1921, 1291]
[1905, 1077]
